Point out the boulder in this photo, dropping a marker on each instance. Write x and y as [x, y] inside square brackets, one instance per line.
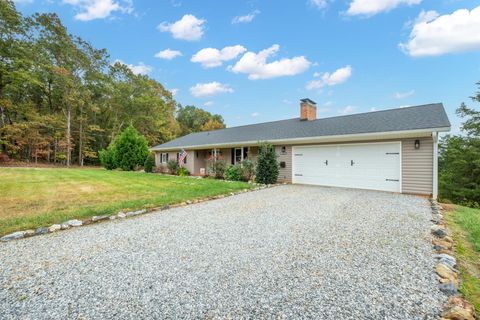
[99, 218]
[12, 236]
[74, 223]
[442, 243]
[54, 227]
[29, 233]
[438, 231]
[449, 288]
[121, 215]
[458, 313]
[445, 272]
[41, 230]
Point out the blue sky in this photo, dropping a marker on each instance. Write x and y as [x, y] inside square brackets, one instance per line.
[349, 56]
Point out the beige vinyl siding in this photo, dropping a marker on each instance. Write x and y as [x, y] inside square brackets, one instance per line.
[284, 174]
[417, 166]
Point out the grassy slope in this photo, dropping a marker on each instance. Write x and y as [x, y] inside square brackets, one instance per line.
[39, 197]
[465, 223]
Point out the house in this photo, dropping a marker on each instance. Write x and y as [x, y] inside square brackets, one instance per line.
[391, 150]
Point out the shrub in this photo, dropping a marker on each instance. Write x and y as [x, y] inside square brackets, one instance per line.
[172, 166]
[127, 151]
[267, 166]
[181, 171]
[216, 168]
[131, 149]
[107, 157]
[248, 170]
[234, 172]
[149, 163]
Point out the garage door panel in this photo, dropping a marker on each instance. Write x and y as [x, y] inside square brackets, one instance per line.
[368, 166]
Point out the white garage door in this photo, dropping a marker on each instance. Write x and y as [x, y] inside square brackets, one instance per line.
[373, 166]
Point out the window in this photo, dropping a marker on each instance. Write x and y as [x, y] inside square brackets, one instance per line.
[164, 158]
[240, 154]
[283, 150]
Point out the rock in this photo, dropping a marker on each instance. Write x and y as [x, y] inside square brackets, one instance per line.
[99, 218]
[41, 230]
[29, 233]
[438, 231]
[458, 313]
[112, 217]
[121, 215]
[450, 289]
[459, 301]
[136, 213]
[442, 243]
[12, 236]
[232, 194]
[165, 207]
[54, 227]
[448, 239]
[74, 223]
[189, 202]
[445, 272]
[65, 226]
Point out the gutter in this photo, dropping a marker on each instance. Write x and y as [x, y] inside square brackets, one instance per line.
[314, 139]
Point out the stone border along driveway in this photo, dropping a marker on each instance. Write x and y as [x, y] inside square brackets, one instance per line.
[120, 215]
[457, 308]
[286, 252]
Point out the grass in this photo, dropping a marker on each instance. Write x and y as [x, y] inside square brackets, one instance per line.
[33, 197]
[465, 224]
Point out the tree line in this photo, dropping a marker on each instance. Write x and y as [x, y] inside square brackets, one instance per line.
[62, 101]
[459, 160]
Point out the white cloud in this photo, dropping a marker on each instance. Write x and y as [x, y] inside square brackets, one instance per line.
[403, 95]
[174, 91]
[211, 57]
[320, 4]
[168, 54]
[331, 79]
[372, 7]
[140, 68]
[433, 34]
[188, 28]
[256, 66]
[99, 9]
[347, 110]
[208, 104]
[209, 89]
[255, 114]
[246, 18]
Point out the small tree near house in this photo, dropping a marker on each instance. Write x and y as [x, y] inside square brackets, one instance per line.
[267, 165]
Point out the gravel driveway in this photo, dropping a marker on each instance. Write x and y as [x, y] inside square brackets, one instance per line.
[288, 251]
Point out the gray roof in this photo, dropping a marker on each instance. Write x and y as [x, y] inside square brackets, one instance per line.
[428, 116]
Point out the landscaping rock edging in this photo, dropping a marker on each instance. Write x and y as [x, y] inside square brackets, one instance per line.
[120, 215]
[457, 308]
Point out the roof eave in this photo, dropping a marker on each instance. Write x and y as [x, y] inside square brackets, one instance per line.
[317, 139]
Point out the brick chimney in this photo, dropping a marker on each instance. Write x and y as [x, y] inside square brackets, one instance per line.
[308, 110]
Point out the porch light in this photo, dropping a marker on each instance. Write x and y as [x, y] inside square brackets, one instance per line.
[417, 144]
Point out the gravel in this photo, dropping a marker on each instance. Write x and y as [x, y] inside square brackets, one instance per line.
[287, 252]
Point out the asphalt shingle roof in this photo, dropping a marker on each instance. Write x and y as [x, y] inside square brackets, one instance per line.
[428, 116]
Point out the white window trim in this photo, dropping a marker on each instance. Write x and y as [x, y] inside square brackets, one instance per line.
[163, 157]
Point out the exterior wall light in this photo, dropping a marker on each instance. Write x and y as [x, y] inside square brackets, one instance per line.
[417, 144]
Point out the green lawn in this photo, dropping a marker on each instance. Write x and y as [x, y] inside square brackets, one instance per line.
[465, 223]
[33, 197]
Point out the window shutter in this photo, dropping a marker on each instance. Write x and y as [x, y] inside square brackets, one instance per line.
[233, 156]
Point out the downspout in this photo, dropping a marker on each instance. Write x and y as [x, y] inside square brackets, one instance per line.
[435, 165]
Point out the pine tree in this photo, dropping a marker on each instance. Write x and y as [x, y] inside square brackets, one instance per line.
[267, 165]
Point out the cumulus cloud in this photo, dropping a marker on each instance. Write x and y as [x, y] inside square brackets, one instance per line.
[331, 79]
[168, 54]
[211, 57]
[255, 114]
[209, 89]
[99, 9]
[257, 67]
[246, 18]
[140, 68]
[403, 95]
[188, 28]
[434, 34]
[372, 7]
